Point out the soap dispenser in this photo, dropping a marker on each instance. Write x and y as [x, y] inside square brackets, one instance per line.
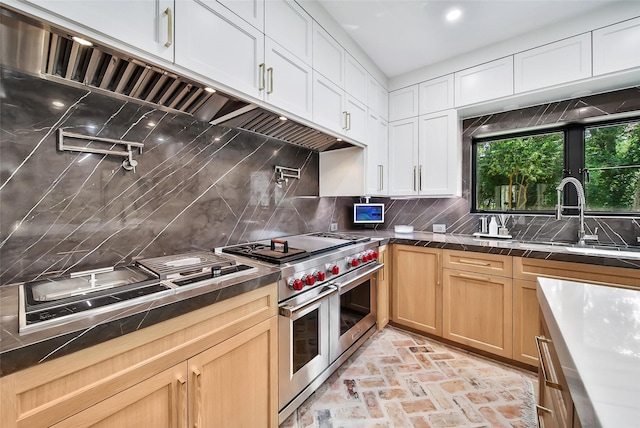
[493, 226]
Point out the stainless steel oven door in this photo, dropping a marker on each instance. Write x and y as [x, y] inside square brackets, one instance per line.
[303, 329]
[357, 307]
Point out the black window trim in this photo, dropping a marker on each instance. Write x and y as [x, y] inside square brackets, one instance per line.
[573, 162]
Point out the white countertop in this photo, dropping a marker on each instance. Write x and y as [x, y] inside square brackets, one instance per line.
[596, 333]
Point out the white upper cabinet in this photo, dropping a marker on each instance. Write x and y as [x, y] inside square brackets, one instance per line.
[377, 98]
[328, 56]
[377, 156]
[356, 118]
[403, 103]
[290, 26]
[226, 36]
[439, 169]
[616, 47]
[251, 11]
[288, 81]
[142, 25]
[553, 64]
[484, 82]
[403, 157]
[383, 100]
[355, 79]
[337, 110]
[328, 103]
[436, 94]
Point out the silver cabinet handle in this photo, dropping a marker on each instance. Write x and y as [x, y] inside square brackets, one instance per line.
[414, 178]
[262, 77]
[345, 120]
[270, 73]
[169, 14]
[288, 311]
[543, 367]
[380, 177]
[348, 121]
[420, 178]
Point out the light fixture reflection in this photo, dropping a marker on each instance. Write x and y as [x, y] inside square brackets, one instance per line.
[454, 15]
[58, 104]
[82, 41]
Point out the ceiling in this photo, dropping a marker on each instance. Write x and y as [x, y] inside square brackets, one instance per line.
[404, 35]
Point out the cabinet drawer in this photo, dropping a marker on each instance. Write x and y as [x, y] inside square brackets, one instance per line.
[47, 393]
[492, 264]
[530, 269]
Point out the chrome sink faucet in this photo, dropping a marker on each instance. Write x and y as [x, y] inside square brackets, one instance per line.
[581, 206]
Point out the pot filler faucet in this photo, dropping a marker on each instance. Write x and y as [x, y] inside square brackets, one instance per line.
[582, 237]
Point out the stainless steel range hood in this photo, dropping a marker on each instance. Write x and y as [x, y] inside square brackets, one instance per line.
[40, 49]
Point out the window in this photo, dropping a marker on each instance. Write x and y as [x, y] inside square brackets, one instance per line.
[519, 172]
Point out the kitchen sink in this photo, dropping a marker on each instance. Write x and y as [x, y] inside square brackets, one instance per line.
[588, 250]
[606, 251]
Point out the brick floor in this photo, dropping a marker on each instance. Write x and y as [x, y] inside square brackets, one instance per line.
[399, 379]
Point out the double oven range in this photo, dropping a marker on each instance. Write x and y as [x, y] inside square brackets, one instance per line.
[327, 305]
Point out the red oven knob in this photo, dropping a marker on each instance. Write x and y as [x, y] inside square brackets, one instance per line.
[320, 276]
[335, 269]
[368, 257]
[296, 284]
[309, 280]
[375, 255]
[355, 262]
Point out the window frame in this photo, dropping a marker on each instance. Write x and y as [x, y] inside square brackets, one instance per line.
[573, 162]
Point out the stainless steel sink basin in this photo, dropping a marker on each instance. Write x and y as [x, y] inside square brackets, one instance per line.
[589, 250]
[607, 252]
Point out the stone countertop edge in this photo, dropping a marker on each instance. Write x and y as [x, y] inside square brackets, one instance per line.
[600, 360]
[497, 246]
[18, 352]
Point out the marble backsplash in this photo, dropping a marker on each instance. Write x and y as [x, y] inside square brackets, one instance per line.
[196, 186]
[199, 186]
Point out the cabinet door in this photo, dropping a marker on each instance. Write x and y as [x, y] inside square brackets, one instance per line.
[160, 401]
[355, 79]
[403, 157]
[251, 11]
[526, 321]
[356, 118]
[373, 95]
[478, 311]
[553, 64]
[328, 56]
[616, 47]
[209, 35]
[438, 151]
[403, 103]
[234, 384]
[484, 82]
[383, 288]
[436, 95]
[289, 81]
[417, 288]
[383, 100]
[290, 26]
[144, 25]
[377, 156]
[328, 102]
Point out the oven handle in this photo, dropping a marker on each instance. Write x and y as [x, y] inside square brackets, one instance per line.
[288, 311]
[348, 285]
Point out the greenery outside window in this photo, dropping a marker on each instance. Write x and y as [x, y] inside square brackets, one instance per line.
[519, 172]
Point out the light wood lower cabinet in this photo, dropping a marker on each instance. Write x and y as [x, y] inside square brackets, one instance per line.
[383, 287]
[232, 344]
[526, 321]
[417, 288]
[477, 311]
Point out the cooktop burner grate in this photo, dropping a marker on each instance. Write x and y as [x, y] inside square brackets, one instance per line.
[176, 264]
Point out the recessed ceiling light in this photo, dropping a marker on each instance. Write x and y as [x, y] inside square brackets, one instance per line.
[454, 15]
[282, 118]
[82, 41]
[338, 139]
[210, 90]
